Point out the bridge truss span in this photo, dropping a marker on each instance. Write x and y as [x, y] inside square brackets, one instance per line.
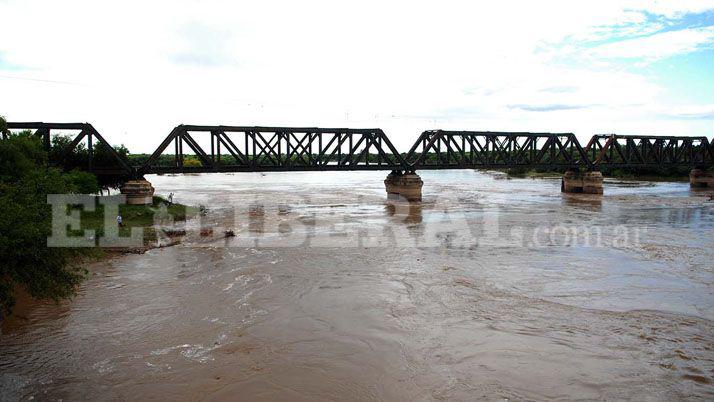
[649, 151]
[241, 148]
[194, 148]
[440, 149]
[97, 155]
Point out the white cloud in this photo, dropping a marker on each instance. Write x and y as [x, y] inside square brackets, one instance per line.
[659, 46]
[139, 68]
[671, 8]
[691, 112]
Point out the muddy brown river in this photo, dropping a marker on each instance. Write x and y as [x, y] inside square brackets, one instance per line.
[491, 289]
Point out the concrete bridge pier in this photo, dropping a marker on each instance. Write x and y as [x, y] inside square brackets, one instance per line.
[138, 192]
[699, 178]
[403, 186]
[576, 182]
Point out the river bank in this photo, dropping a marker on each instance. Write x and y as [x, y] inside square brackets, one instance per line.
[156, 222]
[621, 174]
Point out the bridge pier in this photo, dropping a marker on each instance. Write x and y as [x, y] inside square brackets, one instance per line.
[699, 178]
[582, 183]
[138, 192]
[403, 186]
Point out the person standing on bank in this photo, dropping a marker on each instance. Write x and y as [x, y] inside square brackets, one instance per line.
[119, 221]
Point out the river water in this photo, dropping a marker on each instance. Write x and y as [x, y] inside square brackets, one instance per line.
[492, 289]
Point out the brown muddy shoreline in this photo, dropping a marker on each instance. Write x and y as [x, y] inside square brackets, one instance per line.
[24, 302]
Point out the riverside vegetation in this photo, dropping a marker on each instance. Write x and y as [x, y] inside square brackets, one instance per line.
[628, 173]
[26, 178]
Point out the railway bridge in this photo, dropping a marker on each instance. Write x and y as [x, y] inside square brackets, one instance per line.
[262, 149]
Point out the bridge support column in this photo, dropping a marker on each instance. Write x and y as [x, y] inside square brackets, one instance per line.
[582, 183]
[403, 186]
[698, 178]
[138, 192]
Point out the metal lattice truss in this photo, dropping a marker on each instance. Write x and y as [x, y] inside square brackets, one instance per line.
[239, 148]
[276, 149]
[115, 165]
[651, 151]
[440, 149]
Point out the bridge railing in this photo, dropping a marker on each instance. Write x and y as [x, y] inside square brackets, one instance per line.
[440, 149]
[240, 148]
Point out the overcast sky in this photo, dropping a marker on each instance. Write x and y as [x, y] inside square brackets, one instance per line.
[135, 69]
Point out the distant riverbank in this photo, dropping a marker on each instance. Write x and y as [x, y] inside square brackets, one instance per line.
[645, 174]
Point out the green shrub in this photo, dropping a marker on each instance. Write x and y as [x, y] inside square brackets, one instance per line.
[83, 182]
[192, 163]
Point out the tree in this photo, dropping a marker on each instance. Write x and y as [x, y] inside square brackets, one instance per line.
[79, 159]
[25, 222]
[20, 154]
[3, 126]
[83, 182]
[45, 272]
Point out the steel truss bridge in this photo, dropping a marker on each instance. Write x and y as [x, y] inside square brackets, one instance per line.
[258, 149]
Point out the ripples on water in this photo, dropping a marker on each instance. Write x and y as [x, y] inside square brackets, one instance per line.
[328, 293]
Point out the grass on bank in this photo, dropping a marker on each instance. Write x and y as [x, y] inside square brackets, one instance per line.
[136, 216]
